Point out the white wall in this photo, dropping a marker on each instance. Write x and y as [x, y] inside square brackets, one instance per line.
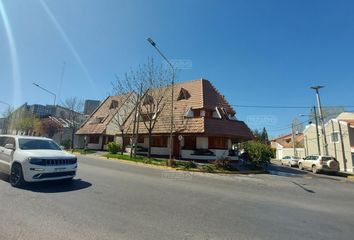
[282, 152]
[160, 151]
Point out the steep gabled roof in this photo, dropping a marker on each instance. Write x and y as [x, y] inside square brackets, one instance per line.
[102, 116]
[201, 95]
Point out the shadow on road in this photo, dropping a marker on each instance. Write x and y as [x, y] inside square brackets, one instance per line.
[284, 171]
[304, 188]
[52, 186]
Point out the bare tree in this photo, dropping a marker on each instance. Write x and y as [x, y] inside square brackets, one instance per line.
[74, 105]
[149, 88]
[49, 127]
[121, 112]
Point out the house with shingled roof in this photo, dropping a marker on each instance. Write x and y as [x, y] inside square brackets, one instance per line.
[205, 125]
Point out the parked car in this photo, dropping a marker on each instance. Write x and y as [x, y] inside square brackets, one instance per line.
[34, 159]
[317, 163]
[290, 161]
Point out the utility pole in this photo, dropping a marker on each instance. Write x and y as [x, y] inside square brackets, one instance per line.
[293, 136]
[316, 88]
[317, 133]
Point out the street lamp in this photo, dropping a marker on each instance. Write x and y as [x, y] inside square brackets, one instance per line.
[317, 134]
[316, 88]
[172, 94]
[55, 96]
[5, 103]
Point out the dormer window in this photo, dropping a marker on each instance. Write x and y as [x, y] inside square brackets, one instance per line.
[114, 104]
[183, 94]
[97, 120]
[216, 113]
[148, 100]
[189, 113]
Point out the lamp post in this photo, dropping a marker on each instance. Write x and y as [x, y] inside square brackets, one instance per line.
[5, 103]
[316, 88]
[317, 134]
[44, 89]
[172, 94]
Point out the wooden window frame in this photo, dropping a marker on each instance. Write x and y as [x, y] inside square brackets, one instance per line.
[159, 141]
[217, 143]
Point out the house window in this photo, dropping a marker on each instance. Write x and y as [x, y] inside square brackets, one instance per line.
[335, 137]
[183, 94]
[208, 114]
[217, 143]
[126, 141]
[196, 112]
[148, 100]
[110, 139]
[159, 141]
[94, 139]
[189, 142]
[114, 104]
[97, 120]
[140, 139]
[189, 113]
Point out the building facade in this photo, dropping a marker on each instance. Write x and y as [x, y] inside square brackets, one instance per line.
[205, 125]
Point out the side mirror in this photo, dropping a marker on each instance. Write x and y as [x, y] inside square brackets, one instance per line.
[9, 146]
[62, 147]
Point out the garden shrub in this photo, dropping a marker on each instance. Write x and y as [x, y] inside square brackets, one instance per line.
[113, 147]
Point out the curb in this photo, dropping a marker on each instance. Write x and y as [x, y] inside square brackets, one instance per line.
[218, 172]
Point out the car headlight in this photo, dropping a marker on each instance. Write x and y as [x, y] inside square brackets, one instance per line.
[36, 161]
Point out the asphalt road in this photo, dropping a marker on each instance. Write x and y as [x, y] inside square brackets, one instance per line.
[111, 200]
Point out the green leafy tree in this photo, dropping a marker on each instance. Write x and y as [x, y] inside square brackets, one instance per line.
[25, 122]
[257, 153]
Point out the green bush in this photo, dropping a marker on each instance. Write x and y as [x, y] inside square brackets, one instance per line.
[66, 143]
[223, 164]
[258, 154]
[113, 147]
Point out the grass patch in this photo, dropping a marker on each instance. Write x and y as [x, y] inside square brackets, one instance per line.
[142, 159]
[83, 151]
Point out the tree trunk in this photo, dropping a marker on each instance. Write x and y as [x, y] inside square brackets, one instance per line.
[123, 145]
[72, 138]
[149, 148]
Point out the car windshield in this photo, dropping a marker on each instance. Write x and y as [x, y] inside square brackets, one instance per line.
[37, 144]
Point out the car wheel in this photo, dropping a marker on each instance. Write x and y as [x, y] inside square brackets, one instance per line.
[16, 176]
[300, 166]
[314, 169]
[289, 164]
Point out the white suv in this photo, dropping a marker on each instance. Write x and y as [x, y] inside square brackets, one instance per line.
[318, 163]
[34, 159]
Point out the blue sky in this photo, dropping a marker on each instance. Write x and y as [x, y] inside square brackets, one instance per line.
[255, 52]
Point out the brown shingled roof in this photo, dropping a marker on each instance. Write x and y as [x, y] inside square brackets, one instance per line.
[102, 112]
[201, 95]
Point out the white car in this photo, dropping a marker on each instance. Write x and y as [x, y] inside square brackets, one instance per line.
[317, 163]
[289, 161]
[34, 159]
